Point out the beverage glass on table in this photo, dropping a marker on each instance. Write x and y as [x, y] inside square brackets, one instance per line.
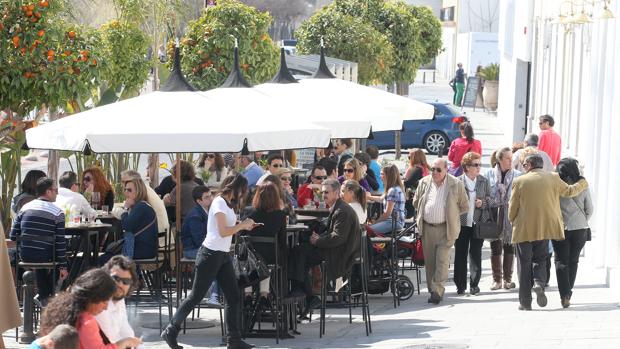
[95, 200]
[105, 209]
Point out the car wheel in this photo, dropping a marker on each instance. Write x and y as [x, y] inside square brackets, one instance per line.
[434, 141]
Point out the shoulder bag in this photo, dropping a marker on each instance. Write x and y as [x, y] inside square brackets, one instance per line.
[116, 247]
[250, 268]
[488, 230]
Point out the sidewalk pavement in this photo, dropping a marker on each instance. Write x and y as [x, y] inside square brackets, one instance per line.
[488, 320]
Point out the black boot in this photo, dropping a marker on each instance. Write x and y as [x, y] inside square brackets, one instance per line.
[170, 334]
[237, 343]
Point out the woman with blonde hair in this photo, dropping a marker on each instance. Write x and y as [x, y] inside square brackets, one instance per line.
[353, 194]
[353, 171]
[393, 202]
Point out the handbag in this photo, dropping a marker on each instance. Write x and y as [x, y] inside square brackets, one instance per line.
[250, 268]
[116, 247]
[417, 255]
[488, 230]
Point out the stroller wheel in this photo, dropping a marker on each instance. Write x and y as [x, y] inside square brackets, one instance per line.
[404, 287]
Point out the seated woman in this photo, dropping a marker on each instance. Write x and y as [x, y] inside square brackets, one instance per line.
[214, 165]
[87, 297]
[353, 194]
[139, 222]
[268, 209]
[93, 181]
[393, 201]
[353, 170]
[28, 190]
[286, 179]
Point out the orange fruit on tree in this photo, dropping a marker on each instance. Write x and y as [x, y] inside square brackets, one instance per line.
[22, 50]
[71, 34]
[31, 7]
[44, 3]
[50, 52]
[16, 41]
[50, 58]
[94, 62]
[41, 32]
[28, 13]
[1, 26]
[34, 20]
[37, 14]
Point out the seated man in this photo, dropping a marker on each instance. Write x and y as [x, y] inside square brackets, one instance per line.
[338, 245]
[194, 231]
[113, 321]
[194, 228]
[40, 217]
[69, 195]
[305, 194]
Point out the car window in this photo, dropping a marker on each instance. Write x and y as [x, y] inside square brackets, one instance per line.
[453, 110]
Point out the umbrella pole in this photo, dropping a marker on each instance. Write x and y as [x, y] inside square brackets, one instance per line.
[177, 209]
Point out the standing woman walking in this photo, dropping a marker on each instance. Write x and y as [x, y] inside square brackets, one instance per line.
[500, 178]
[479, 198]
[461, 146]
[576, 213]
[213, 262]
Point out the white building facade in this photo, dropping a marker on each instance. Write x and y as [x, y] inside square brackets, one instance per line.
[572, 72]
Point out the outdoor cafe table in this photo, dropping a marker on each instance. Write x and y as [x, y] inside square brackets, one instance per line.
[315, 212]
[84, 233]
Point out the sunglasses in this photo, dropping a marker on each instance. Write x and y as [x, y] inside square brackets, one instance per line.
[474, 165]
[129, 190]
[211, 156]
[277, 165]
[87, 179]
[349, 170]
[436, 169]
[124, 281]
[288, 179]
[320, 178]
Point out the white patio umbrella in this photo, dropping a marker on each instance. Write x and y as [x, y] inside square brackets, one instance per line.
[338, 102]
[177, 122]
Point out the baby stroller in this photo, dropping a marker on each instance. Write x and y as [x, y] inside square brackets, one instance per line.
[384, 267]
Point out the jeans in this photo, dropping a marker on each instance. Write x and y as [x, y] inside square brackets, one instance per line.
[567, 253]
[385, 227]
[128, 244]
[213, 265]
[214, 290]
[532, 260]
[465, 243]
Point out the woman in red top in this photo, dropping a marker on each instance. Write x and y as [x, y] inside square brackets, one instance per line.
[87, 297]
[461, 146]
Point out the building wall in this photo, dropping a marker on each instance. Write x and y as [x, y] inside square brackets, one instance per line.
[574, 78]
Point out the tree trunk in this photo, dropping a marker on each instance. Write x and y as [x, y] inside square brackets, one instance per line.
[53, 157]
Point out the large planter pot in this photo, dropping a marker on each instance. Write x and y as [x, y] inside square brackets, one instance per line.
[489, 94]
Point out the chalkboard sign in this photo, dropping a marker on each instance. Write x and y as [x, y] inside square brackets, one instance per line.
[471, 92]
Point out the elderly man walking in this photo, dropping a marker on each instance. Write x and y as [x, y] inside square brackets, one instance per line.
[536, 218]
[440, 200]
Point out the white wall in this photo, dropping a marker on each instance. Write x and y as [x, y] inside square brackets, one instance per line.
[478, 16]
[476, 49]
[576, 79]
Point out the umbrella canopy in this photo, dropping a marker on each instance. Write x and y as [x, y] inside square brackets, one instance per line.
[174, 122]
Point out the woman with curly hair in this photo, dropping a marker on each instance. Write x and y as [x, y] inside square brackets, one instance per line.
[94, 181]
[87, 297]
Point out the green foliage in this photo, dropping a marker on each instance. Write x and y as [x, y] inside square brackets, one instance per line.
[413, 34]
[490, 72]
[43, 59]
[350, 38]
[430, 33]
[207, 47]
[124, 48]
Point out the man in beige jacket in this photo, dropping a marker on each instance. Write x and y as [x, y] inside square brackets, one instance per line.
[536, 218]
[440, 199]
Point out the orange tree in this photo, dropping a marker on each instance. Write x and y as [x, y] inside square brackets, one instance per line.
[45, 64]
[207, 47]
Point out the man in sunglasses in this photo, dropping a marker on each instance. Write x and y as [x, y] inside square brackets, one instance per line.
[275, 162]
[439, 201]
[305, 194]
[113, 321]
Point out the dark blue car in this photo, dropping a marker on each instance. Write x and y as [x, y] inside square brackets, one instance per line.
[431, 135]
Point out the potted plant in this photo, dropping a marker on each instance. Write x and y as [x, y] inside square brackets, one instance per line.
[490, 74]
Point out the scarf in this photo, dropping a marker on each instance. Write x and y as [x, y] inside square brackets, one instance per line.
[502, 188]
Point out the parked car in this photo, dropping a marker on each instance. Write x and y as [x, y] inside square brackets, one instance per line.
[432, 135]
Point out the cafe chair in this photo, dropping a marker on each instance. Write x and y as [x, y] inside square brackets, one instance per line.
[353, 294]
[34, 266]
[152, 272]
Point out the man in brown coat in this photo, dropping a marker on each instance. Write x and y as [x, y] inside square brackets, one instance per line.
[536, 218]
[439, 200]
[338, 245]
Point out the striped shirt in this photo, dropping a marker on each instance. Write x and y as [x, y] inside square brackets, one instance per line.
[435, 208]
[40, 218]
